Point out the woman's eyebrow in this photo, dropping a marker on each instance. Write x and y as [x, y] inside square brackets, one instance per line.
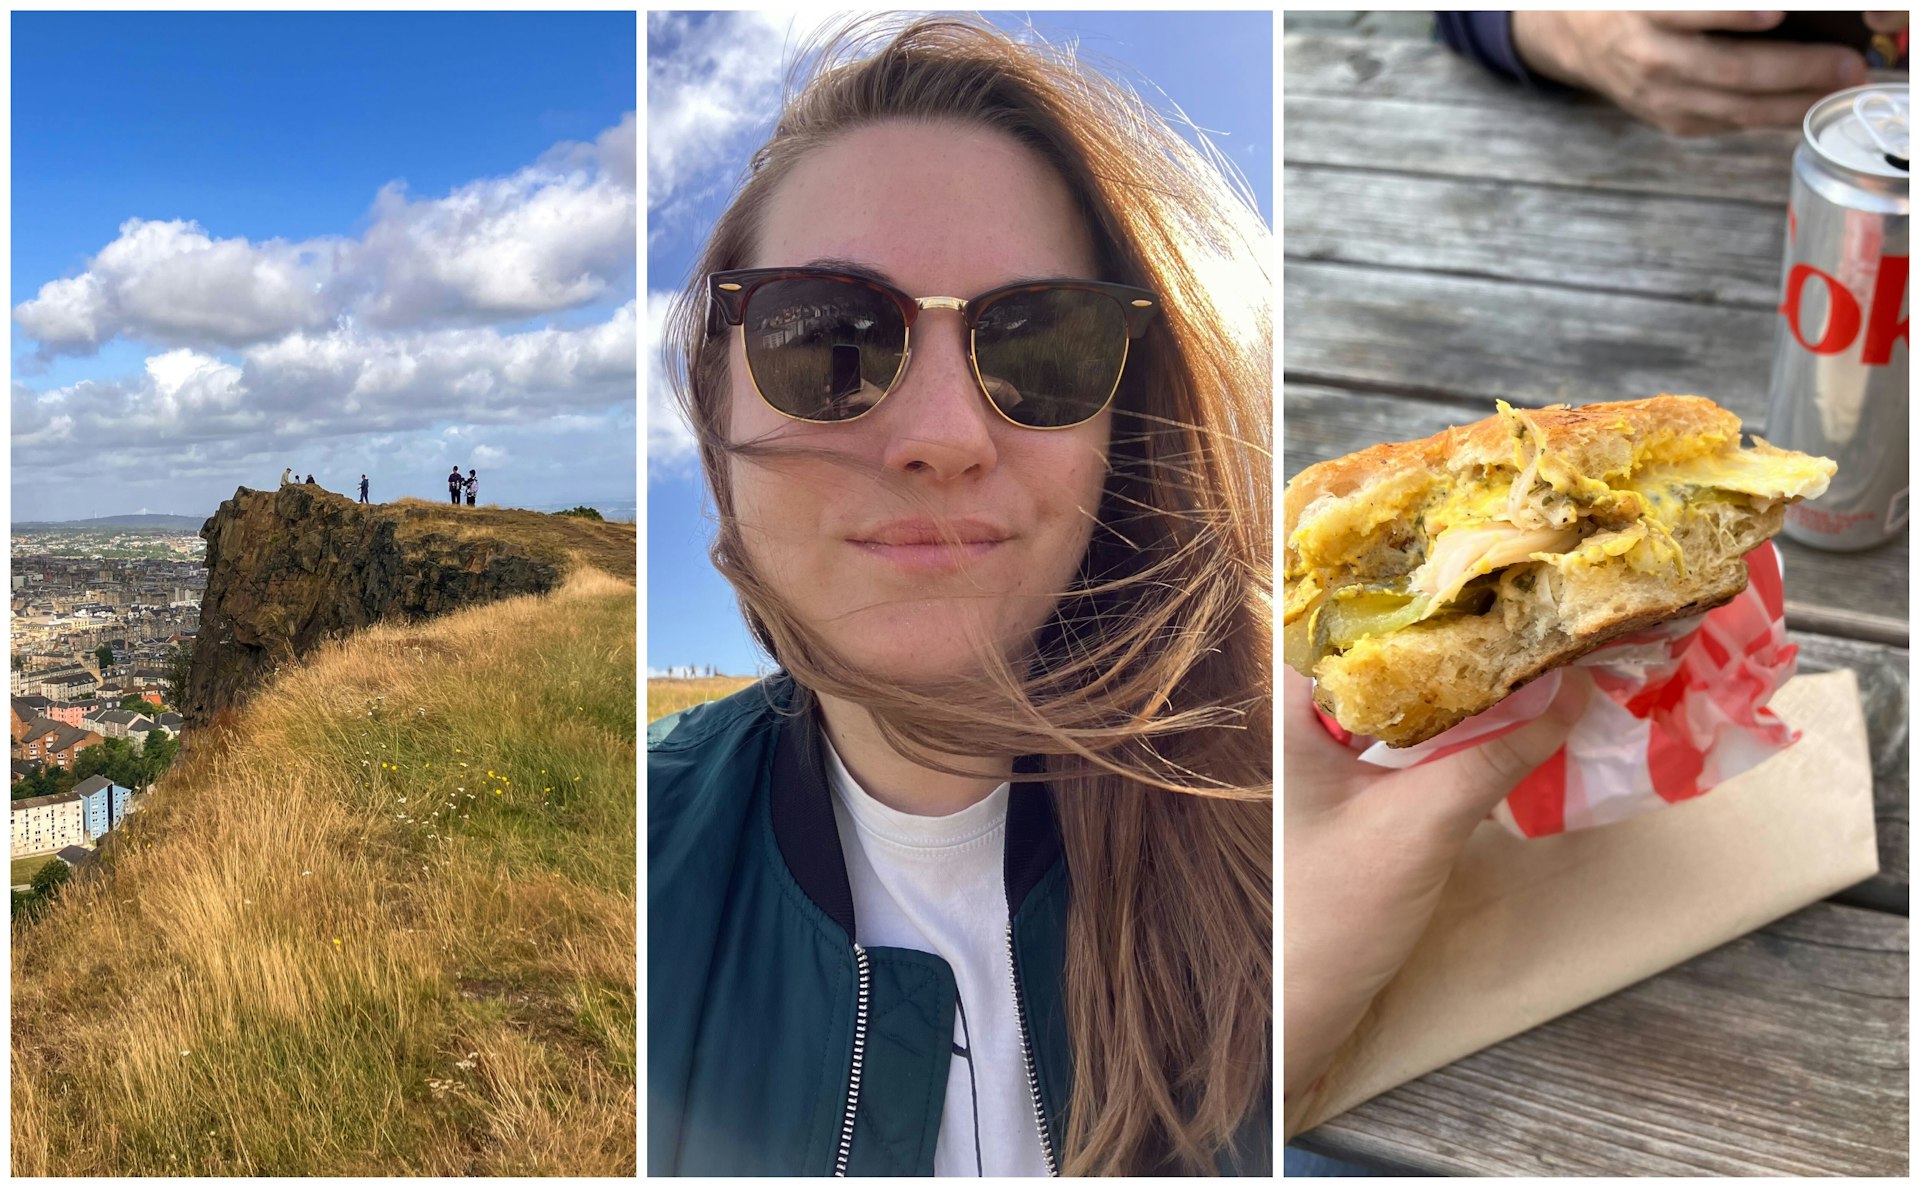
[851, 268]
[878, 275]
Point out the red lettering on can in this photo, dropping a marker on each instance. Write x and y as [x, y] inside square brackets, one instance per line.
[1889, 294]
[1831, 523]
[1884, 324]
[1843, 312]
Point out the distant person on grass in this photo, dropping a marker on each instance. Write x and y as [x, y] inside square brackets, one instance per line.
[1007, 806]
[473, 486]
[363, 488]
[286, 477]
[310, 481]
[453, 487]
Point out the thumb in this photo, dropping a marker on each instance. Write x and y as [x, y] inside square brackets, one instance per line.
[1473, 781]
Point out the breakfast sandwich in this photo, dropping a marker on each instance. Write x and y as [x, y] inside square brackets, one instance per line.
[1426, 580]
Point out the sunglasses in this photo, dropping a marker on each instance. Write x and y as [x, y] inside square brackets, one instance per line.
[825, 346]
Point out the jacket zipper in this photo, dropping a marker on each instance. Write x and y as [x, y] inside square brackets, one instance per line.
[1026, 1056]
[859, 1053]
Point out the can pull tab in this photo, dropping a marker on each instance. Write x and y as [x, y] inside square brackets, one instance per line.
[1885, 119]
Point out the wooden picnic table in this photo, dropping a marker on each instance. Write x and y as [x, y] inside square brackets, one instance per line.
[1450, 238]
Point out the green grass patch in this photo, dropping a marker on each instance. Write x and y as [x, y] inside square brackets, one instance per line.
[25, 868]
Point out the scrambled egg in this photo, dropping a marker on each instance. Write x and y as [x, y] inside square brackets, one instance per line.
[1541, 510]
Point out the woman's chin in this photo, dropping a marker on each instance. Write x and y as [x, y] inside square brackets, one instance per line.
[912, 654]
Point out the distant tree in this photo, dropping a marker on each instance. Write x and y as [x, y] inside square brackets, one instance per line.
[133, 701]
[104, 654]
[162, 749]
[114, 758]
[583, 511]
[179, 665]
[44, 780]
[48, 880]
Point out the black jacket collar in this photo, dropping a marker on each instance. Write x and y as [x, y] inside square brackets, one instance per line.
[802, 806]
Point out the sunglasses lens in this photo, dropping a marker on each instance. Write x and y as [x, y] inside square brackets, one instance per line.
[821, 349]
[1050, 358]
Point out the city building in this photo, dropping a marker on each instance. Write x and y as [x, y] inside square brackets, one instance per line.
[43, 824]
[104, 804]
[25, 710]
[116, 723]
[47, 741]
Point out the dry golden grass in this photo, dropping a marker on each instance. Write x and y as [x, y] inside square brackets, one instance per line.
[666, 695]
[610, 547]
[383, 925]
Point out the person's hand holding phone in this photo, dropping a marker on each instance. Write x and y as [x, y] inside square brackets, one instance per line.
[1672, 70]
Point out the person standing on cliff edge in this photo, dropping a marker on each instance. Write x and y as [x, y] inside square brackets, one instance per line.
[286, 477]
[453, 487]
[363, 488]
[473, 486]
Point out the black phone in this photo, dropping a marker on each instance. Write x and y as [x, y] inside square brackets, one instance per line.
[1820, 28]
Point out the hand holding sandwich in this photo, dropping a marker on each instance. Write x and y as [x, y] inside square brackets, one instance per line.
[1368, 852]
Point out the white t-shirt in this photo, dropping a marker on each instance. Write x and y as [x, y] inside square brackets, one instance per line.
[936, 885]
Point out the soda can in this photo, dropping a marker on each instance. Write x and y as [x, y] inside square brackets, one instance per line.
[1839, 384]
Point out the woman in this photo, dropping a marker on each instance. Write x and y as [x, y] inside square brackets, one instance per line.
[981, 882]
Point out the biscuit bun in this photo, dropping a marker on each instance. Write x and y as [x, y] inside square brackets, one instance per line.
[1427, 580]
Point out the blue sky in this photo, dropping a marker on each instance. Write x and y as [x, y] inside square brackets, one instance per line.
[342, 242]
[713, 81]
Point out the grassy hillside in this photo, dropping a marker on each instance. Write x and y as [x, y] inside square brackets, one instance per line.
[609, 546]
[384, 925]
[666, 695]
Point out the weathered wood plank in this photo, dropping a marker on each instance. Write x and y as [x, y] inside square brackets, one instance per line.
[1592, 147]
[1782, 1053]
[1885, 684]
[1345, 63]
[1472, 339]
[1718, 252]
[1858, 595]
[1416, 27]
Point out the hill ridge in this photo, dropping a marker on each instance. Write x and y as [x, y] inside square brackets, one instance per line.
[378, 921]
[291, 568]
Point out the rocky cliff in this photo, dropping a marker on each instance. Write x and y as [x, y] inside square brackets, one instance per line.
[291, 568]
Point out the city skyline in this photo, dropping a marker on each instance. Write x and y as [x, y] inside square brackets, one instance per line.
[396, 243]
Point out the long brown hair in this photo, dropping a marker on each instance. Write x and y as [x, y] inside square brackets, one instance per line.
[1150, 691]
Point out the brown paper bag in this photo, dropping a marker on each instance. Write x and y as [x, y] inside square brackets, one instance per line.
[1529, 930]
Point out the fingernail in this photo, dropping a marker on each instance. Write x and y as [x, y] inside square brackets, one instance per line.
[1853, 71]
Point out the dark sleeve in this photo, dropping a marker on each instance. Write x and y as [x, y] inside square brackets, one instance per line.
[1487, 38]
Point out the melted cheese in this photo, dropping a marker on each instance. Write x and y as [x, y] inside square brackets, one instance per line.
[1465, 553]
[1765, 472]
[1543, 510]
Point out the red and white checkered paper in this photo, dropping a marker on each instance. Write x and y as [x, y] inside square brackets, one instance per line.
[1678, 709]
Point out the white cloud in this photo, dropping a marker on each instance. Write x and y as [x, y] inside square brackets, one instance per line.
[556, 235]
[670, 441]
[172, 282]
[711, 96]
[340, 384]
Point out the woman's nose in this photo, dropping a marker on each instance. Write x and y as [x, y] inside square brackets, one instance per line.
[936, 420]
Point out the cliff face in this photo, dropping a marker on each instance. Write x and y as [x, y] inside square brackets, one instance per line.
[288, 569]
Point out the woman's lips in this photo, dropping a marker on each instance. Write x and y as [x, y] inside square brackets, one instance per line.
[926, 548]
